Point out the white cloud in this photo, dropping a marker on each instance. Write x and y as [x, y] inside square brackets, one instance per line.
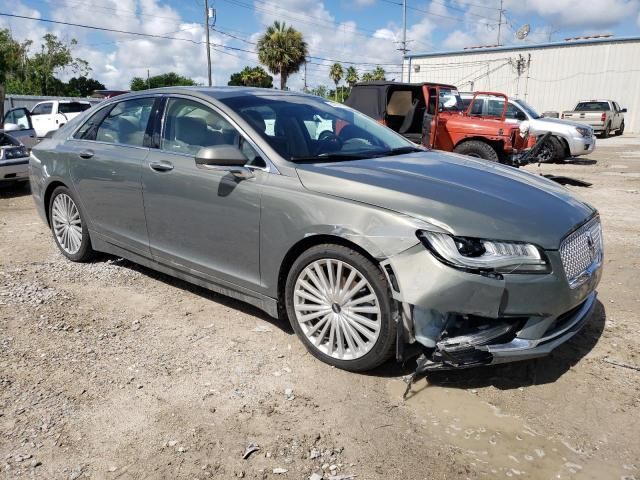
[458, 40]
[363, 3]
[578, 13]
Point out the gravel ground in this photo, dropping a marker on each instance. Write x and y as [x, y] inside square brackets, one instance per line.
[110, 370]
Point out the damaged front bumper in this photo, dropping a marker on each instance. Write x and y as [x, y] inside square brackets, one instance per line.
[461, 319]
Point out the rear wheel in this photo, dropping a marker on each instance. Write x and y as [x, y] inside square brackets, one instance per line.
[620, 131]
[477, 149]
[607, 131]
[68, 226]
[338, 303]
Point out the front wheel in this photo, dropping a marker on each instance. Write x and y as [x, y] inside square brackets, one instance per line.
[477, 149]
[68, 226]
[338, 303]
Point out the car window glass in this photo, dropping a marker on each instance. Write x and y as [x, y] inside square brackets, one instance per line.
[125, 123]
[592, 106]
[450, 100]
[190, 126]
[476, 106]
[18, 117]
[42, 109]
[73, 107]
[616, 107]
[512, 111]
[89, 129]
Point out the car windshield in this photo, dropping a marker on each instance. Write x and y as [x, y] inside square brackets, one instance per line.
[527, 108]
[73, 107]
[305, 128]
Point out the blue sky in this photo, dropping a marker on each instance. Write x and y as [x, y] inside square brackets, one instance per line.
[365, 32]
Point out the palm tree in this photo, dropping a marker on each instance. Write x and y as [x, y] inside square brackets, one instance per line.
[282, 50]
[335, 74]
[379, 73]
[352, 76]
[367, 77]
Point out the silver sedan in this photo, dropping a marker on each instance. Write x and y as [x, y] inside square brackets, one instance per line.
[314, 212]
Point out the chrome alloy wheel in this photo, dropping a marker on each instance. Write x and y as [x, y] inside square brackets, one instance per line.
[67, 226]
[337, 309]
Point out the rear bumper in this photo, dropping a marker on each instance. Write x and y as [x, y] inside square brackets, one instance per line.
[17, 169]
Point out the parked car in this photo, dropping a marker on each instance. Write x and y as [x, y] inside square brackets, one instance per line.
[362, 239]
[432, 114]
[568, 138]
[52, 114]
[604, 116]
[14, 159]
[18, 124]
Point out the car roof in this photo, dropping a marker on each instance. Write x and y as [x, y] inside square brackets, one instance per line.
[217, 93]
[388, 83]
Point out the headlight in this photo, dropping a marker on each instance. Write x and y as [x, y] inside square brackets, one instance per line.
[485, 255]
[585, 132]
[15, 152]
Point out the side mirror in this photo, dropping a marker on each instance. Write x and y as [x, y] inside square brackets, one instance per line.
[227, 158]
[221, 156]
[11, 127]
[624, 110]
[520, 116]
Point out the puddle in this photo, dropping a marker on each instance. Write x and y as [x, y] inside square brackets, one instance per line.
[494, 444]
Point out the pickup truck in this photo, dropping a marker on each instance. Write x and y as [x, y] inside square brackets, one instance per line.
[604, 116]
[52, 114]
[568, 139]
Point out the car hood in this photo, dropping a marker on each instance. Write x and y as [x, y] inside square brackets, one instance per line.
[466, 196]
[560, 121]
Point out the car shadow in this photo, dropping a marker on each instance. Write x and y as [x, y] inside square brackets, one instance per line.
[218, 298]
[14, 189]
[579, 161]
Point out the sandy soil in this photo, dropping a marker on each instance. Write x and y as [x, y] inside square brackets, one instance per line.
[109, 370]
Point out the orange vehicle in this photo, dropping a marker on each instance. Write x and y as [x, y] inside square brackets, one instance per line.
[433, 115]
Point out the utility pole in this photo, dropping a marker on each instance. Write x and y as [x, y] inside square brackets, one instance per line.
[404, 48]
[148, 79]
[206, 28]
[305, 77]
[501, 12]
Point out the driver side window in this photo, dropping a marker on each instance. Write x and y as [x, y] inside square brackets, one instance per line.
[514, 112]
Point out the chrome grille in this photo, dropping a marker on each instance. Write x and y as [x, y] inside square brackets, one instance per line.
[580, 250]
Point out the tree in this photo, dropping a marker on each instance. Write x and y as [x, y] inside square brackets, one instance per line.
[352, 76]
[367, 77]
[378, 73]
[320, 91]
[83, 86]
[282, 50]
[251, 77]
[335, 74]
[170, 79]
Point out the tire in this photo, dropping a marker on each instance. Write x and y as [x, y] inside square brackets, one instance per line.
[620, 131]
[607, 131]
[552, 151]
[367, 341]
[477, 149]
[68, 226]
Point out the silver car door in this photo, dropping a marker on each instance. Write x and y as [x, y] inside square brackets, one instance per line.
[200, 219]
[106, 157]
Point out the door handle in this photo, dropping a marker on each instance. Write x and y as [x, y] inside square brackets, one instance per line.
[162, 166]
[86, 154]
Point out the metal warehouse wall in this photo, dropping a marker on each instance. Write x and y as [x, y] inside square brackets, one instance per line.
[558, 76]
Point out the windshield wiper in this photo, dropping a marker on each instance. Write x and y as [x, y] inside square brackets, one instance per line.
[400, 151]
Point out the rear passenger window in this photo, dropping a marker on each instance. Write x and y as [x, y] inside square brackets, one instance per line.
[190, 126]
[126, 122]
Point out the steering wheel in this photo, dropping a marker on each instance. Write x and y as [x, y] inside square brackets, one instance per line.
[328, 142]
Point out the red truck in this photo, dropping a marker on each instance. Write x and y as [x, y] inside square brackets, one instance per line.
[433, 115]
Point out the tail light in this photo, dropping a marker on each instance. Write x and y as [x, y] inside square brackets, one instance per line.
[603, 117]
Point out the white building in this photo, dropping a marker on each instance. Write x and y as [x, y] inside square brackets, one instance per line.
[550, 76]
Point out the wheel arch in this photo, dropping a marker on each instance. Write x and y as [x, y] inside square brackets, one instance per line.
[305, 244]
[492, 143]
[47, 196]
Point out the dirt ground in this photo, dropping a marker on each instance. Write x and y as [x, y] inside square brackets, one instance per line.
[109, 370]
